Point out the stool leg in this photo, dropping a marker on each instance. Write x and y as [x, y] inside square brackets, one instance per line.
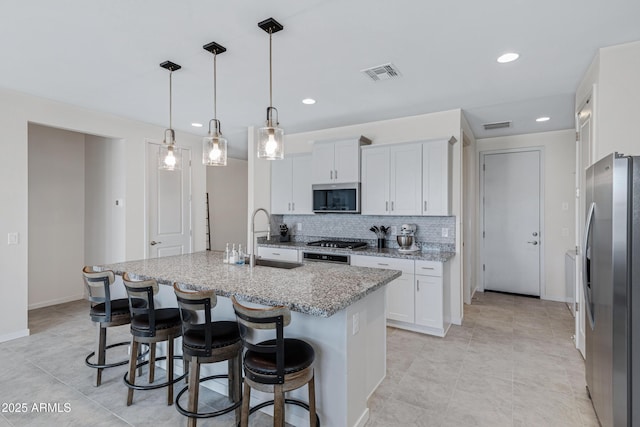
[278, 406]
[235, 381]
[194, 390]
[312, 401]
[244, 420]
[152, 362]
[102, 343]
[170, 370]
[133, 360]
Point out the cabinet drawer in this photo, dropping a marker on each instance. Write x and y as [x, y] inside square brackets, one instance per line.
[429, 268]
[278, 254]
[404, 265]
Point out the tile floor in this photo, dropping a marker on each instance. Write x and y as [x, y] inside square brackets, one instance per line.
[512, 363]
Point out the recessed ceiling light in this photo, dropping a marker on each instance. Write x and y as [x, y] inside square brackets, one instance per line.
[196, 125]
[508, 57]
[543, 119]
[309, 101]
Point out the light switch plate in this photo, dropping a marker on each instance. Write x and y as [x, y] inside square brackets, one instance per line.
[445, 232]
[13, 238]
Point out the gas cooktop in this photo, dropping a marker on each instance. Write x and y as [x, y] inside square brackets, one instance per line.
[340, 244]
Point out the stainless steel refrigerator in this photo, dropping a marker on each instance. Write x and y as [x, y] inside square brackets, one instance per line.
[612, 289]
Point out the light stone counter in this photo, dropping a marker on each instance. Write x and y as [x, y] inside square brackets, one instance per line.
[338, 309]
[319, 289]
[437, 256]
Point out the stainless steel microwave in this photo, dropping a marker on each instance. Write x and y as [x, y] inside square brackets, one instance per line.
[336, 198]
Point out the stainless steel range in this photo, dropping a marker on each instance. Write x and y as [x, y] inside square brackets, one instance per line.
[332, 257]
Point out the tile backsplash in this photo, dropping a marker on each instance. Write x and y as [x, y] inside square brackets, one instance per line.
[429, 233]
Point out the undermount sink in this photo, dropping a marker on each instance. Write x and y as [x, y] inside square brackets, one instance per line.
[277, 264]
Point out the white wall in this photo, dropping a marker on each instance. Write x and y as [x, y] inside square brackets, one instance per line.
[56, 215]
[16, 111]
[105, 227]
[414, 128]
[227, 188]
[559, 185]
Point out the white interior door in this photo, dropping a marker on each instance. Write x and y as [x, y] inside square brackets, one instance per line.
[584, 160]
[169, 206]
[511, 216]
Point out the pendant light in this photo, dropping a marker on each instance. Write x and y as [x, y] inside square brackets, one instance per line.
[214, 145]
[271, 137]
[169, 156]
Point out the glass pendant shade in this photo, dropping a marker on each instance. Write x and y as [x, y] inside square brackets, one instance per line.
[271, 143]
[214, 151]
[169, 158]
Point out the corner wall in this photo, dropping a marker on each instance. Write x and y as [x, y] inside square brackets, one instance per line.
[559, 187]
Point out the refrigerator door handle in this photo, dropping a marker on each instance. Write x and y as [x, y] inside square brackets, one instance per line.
[586, 271]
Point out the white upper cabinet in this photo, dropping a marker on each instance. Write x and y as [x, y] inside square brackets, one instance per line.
[392, 180]
[291, 185]
[337, 161]
[436, 178]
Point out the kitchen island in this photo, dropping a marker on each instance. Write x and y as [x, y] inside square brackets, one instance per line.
[338, 309]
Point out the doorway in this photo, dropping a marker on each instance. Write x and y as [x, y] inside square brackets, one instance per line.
[511, 210]
[169, 205]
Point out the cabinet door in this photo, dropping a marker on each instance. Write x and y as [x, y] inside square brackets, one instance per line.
[281, 172]
[346, 161]
[400, 299]
[322, 162]
[301, 201]
[436, 173]
[375, 181]
[405, 191]
[429, 301]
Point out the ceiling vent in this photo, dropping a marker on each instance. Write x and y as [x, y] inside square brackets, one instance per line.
[382, 72]
[496, 125]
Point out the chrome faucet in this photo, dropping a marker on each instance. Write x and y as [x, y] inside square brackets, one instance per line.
[252, 260]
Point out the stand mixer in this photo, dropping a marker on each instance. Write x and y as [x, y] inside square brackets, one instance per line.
[406, 239]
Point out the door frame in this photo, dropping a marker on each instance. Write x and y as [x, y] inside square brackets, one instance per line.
[186, 163]
[542, 235]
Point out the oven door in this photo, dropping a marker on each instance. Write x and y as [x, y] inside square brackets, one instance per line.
[336, 198]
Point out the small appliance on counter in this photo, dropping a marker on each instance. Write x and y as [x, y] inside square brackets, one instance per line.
[406, 239]
[284, 233]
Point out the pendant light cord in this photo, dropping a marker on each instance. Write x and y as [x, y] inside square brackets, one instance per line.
[215, 106]
[170, 100]
[270, 71]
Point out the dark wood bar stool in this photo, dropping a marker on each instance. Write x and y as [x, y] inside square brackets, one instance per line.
[106, 312]
[206, 341]
[274, 366]
[151, 325]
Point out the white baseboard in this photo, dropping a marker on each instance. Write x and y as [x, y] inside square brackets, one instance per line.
[558, 299]
[14, 335]
[56, 301]
[363, 419]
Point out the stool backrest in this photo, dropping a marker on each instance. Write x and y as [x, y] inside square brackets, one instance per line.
[98, 284]
[275, 318]
[196, 314]
[142, 290]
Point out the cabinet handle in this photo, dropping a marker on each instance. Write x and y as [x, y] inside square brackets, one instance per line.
[275, 253]
[336, 173]
[293, 206]
[418, 283]
[391, 205]
[425, 205]
[386, 206]
[427, 268]
[381, 263]
[289, 208]
[330, 174]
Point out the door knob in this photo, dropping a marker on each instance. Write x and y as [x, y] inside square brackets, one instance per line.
[534, 234]
[153, 243]
[535, 242]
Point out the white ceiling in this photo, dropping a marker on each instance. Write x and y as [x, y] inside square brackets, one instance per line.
[105, 55]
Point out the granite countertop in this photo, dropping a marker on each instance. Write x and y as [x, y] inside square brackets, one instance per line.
[369, 251]
[315, 288]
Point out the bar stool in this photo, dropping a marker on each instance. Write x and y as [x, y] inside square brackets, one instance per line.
[106, 312]
[151, 325]
[206, 341]
[276, 365]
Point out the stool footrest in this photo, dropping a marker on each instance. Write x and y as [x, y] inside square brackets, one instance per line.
[286, 401]
[212, 414]
[153, 386]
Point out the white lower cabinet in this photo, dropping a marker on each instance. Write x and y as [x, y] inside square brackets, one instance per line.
[418, 300]
[279, 254]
